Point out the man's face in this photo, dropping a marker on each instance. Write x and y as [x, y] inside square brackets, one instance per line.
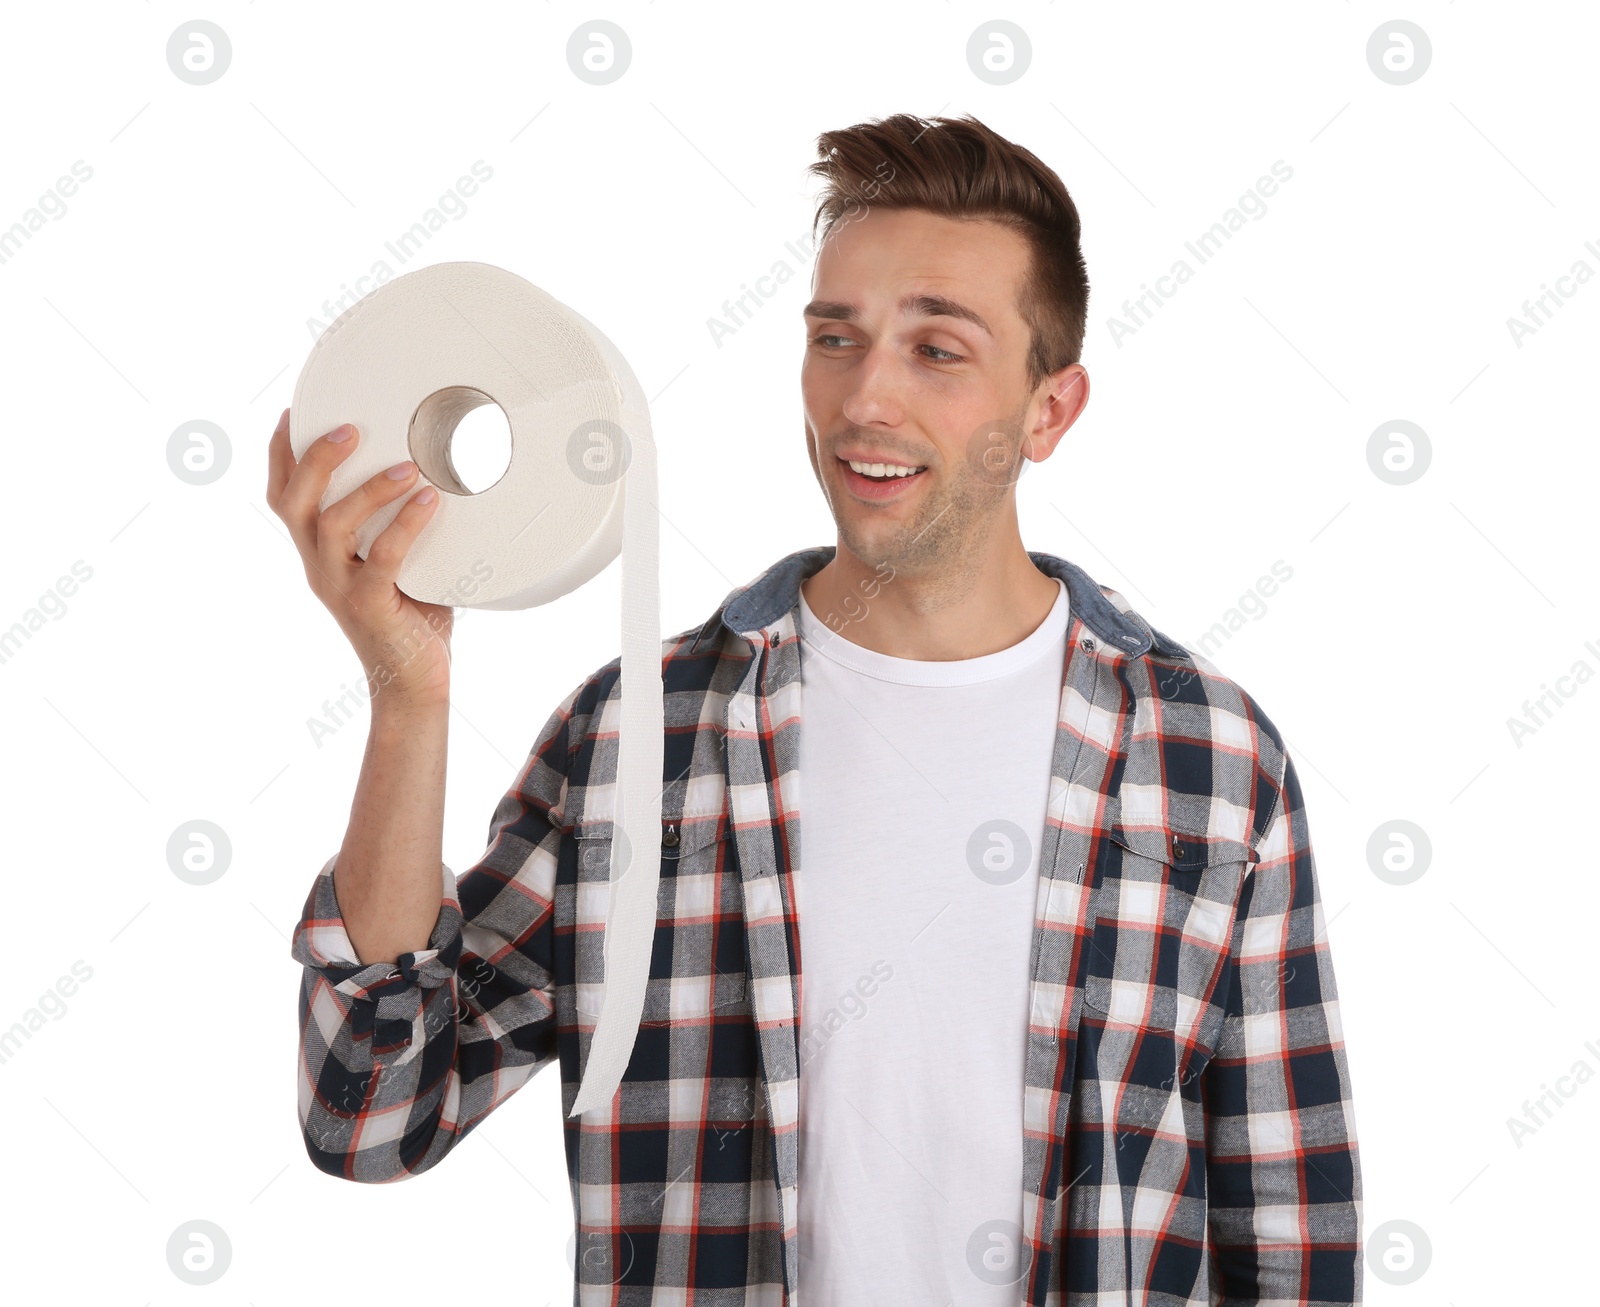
[916, 356]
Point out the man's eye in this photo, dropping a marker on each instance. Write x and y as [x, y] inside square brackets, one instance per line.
[830, 341]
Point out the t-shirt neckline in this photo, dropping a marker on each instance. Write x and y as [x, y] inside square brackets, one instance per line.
[838, 648]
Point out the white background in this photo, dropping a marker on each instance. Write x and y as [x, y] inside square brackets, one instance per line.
[1228, 433]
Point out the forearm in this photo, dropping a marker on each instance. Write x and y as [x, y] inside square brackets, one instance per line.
[400, 1059]
[386, 875]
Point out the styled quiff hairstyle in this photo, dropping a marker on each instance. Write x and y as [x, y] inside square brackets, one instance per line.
[958, 168]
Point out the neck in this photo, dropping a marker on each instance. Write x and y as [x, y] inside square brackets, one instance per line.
[989, 599]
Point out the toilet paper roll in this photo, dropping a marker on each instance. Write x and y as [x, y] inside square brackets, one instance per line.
[404, 365]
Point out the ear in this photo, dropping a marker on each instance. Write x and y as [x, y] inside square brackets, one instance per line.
[1059, 400]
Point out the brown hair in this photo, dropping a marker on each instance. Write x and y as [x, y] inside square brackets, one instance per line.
[958, 168]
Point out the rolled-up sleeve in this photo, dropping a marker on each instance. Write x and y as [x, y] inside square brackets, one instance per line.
[1283, 1175]
[399, 1061]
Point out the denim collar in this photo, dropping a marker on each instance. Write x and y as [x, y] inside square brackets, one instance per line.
[749, 608]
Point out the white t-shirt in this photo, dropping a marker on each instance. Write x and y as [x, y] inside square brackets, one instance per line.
[922, 800]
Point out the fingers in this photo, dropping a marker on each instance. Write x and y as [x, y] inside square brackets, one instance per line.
[340, 521]
[390, 546]
[326, 538]
[298, 503]
[280, 461]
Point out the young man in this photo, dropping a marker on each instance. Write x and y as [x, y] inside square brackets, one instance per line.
[1065, 1029]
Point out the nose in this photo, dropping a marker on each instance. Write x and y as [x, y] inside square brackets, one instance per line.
[877, 398]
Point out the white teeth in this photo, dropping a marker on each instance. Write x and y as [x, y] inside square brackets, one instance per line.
[882, 469]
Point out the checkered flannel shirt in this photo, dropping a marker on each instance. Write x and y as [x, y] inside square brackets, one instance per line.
[1187, 1125]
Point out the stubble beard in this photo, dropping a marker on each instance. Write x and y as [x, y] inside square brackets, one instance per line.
[944, 541]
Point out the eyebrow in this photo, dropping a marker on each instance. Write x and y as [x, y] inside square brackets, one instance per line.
[926, 306]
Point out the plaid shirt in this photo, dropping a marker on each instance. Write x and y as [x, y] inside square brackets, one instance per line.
[1187, 1126]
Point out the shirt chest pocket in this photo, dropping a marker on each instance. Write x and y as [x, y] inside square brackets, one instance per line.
[1164, 903]
[697, 960]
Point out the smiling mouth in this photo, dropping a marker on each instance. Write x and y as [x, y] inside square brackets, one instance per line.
[884, 471]
[879, 481]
